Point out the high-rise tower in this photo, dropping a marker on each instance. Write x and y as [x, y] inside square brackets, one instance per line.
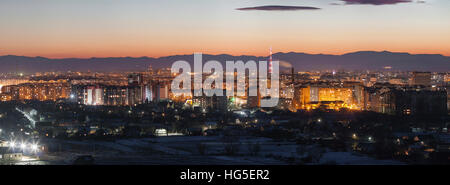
[270, 61]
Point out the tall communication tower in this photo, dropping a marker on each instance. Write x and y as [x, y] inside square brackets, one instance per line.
[270, 61]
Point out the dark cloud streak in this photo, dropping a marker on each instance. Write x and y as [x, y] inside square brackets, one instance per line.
[278, 8]
[376, 2]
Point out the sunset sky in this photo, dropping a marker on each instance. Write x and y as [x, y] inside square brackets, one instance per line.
[154, 28]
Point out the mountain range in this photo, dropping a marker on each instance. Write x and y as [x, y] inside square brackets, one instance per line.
[362, 60]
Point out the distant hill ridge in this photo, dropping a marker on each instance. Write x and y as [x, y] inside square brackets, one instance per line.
[361, 60]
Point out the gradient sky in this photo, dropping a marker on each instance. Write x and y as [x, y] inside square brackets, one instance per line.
[115, 28]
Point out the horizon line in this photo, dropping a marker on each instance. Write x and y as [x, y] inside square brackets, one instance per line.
[283, 52]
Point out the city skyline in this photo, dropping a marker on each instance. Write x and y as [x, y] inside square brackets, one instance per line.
[81, 29]
[266, 83]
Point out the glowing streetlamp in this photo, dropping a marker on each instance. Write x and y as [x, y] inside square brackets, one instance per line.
[23, 146]
[12, 144]
[34, 147]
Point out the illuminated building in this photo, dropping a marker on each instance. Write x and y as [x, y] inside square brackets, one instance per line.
[150, 70]
[148, 94]
[164, 72]
[396, 81]
[41, 90]
[329, 96]
[447, 78]
[5, 97]
[113, 95]
[10, 92]
[378, 99]
[253, 101]
[421, 78]
[448, 98]
[135, 94]
[77, 94]
[160, 92]
[116, 95]
[93, 96]
[12, 81]
[284, 104]
[124, 95]
[407, 101]
[135, 79]
[212, 102]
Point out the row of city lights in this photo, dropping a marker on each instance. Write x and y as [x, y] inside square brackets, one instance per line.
[24, 146]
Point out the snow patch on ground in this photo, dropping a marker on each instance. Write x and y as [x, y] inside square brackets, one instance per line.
[347, 158]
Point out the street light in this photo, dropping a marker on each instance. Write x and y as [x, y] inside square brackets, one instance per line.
[23, 146]
[12, 144]
[34, 147]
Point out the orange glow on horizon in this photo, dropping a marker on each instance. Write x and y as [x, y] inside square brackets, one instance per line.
[262, 53]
